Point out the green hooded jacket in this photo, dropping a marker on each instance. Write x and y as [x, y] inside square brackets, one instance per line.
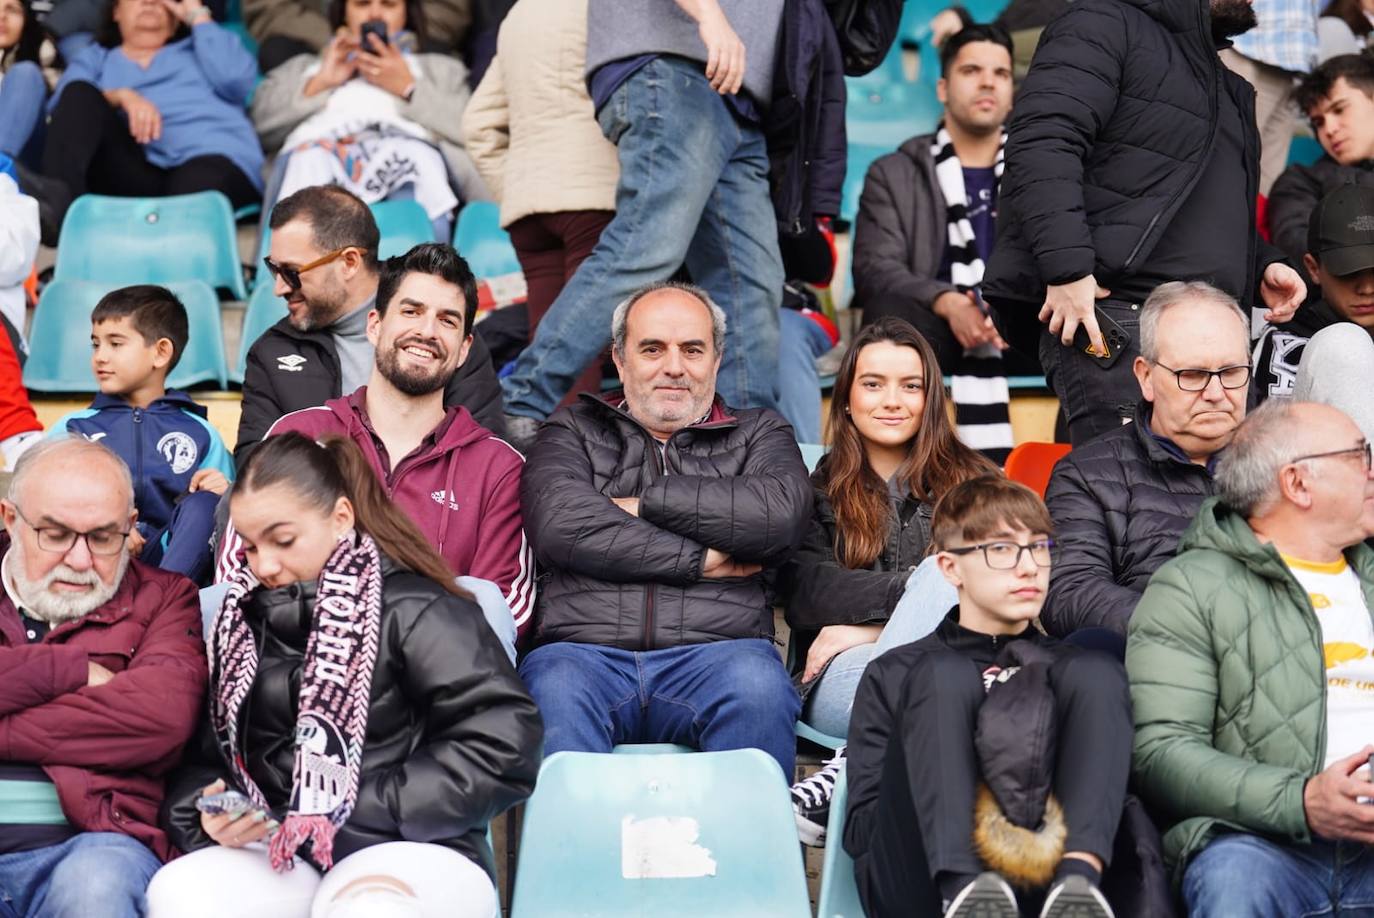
[1228, 683]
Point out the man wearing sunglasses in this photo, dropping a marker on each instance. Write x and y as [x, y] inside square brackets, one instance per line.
[102, 680]
[1251, 659]
[323, 261]
[1121, 501]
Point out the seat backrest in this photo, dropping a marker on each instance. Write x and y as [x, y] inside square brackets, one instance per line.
[811, 454]
[121, 241]
[839, 893]
[1032, 463]
[710, 833]
[60, 337]
[403, 225]
[265, 309]
[480, 239]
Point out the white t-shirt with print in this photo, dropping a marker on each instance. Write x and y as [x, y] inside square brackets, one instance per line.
[1348, 651]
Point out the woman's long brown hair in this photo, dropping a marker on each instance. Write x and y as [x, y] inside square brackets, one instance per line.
[936, 460]
[322, 472]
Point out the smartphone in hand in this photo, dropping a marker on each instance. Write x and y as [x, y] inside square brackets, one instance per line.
[373, 27]
[1116, 338]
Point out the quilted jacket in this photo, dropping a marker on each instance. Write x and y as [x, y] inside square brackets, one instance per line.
[734, 481]
[1112, 129]
[1228, 683]
[1119, 505]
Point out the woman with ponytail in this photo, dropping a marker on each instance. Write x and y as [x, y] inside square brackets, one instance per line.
[858, 586]
[365, 724]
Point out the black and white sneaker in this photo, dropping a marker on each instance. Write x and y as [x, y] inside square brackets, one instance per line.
[988, 896]
[811, 801]
[1075, 897]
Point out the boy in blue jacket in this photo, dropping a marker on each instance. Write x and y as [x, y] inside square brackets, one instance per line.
[178, 461]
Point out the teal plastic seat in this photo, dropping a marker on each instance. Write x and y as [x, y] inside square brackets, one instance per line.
[668, 836]
[60, 338]
[265, 309]
[479, 238]
[403, 224]
[122, 241]
[811, 454]
[839, 893]
[652, 749]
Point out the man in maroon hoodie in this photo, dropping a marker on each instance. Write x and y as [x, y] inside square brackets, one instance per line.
[458, 482]
[102, 678]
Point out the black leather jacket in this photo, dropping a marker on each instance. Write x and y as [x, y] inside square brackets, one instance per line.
[453, 738]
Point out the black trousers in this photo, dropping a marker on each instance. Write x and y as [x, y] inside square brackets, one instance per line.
[1021, 358]
[923, 818]
[90, 150]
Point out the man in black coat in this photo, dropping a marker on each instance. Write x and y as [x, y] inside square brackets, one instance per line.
[324, 260]
[1132, 160]
[1121, 502]
[657, 515]
[1338, 98]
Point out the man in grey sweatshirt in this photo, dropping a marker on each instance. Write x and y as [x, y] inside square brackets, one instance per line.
[679, 86]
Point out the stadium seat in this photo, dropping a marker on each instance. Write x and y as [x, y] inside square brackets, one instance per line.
[479, 238]
[403, 224]
[60, 338]
[1304, 150]
[671, 836]
[265, 309]
[121, 241]
[811, 454]
[839, 893]
[651, 749]
[1032, 463]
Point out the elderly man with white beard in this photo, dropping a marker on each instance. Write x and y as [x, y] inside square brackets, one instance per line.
[102, 678]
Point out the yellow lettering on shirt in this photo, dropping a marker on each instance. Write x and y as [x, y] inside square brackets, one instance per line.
[1319, 601]
[1342, 652]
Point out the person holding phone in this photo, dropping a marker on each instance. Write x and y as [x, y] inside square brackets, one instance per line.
[372, 114]
[358, 701]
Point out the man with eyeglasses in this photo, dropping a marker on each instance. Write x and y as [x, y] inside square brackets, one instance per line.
[1121, 501]
[323, 261]
[1251, 658]
[102, 681]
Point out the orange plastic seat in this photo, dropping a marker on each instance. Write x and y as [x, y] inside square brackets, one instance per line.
[1031, 464]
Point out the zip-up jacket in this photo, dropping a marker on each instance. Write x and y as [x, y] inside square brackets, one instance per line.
[734, 481]
[289, 370]
[1280, 347]
[460, 486]
[163, 445]
[1296, 193]
[1112, 130]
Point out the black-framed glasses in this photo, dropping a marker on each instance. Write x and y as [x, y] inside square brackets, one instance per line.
[292, 276]
[59, 539]
[1003, 556]
[1364, 450]
[1195, 380]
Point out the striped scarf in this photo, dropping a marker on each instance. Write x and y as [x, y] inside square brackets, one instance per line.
[978, 383]
[335, 691]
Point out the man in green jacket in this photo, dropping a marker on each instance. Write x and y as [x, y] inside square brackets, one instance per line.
[1251, 660]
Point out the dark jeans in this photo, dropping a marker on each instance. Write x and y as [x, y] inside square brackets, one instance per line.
[550, 247]
[90, 149]
[1094, 400]
[1022, 334]
[923, 818]
[1245, 876]
[722, 695]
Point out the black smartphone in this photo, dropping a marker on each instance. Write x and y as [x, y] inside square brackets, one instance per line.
[373, 27]
[1116, 338]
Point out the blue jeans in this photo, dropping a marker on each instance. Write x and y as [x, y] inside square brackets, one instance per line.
[1243, 875]
[925, 601]
[183, 545]
[693, 188]
[712, 697]
[91, 875]
[23, 95]
[799, 385]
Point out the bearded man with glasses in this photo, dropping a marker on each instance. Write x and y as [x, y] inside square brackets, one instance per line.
[323, 262]
[1251, 659]
[1121, 501]
[102, 681]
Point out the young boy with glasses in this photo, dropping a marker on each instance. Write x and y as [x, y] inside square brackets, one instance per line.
[914, 771]
[179, 463]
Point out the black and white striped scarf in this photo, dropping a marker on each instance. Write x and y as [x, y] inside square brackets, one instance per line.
[978, 383]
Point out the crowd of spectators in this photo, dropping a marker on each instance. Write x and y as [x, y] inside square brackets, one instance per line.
[313, 670]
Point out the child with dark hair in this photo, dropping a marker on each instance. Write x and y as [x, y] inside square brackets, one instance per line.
[179, 463]
[987, 755]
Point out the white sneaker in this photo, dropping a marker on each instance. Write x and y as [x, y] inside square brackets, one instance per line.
[988, 896]
[1075, 897]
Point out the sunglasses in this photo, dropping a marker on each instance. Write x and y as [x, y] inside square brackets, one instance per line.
[292, 276]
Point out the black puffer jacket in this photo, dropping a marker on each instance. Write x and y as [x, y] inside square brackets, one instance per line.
[453, 739]
[819, 590]
[1119, 505]
[734, 482]
[1295, 195]
[1111, 131]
